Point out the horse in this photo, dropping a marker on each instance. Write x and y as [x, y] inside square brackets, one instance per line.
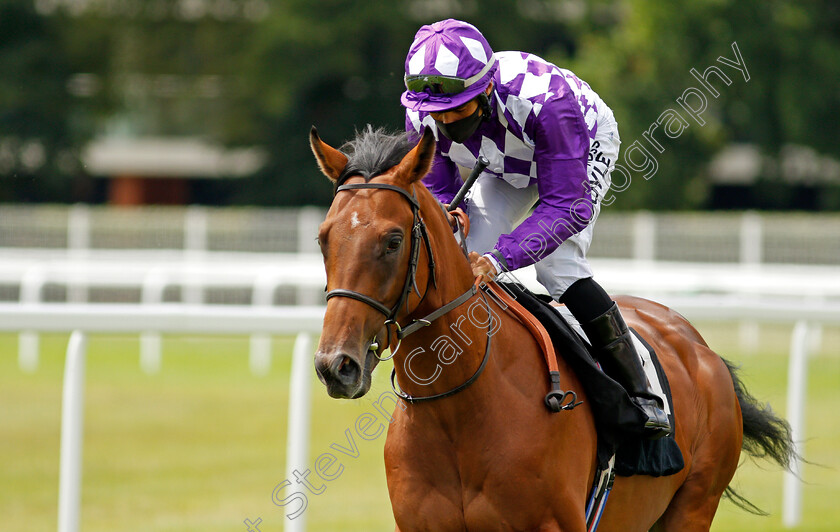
[482, 452]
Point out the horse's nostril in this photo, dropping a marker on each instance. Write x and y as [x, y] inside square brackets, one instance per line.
[348, 370]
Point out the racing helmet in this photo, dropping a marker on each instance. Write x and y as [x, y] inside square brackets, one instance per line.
[449, 63]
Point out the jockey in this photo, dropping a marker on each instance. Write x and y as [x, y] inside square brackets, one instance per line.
[551, 142]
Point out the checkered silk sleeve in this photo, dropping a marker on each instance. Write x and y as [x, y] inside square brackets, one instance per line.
[543, 121]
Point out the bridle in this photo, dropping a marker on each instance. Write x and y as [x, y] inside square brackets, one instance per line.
[418, 233]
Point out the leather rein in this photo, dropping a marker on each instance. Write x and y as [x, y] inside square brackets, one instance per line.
[418, 233]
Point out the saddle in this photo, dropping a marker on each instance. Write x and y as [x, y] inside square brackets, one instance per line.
[618, 421]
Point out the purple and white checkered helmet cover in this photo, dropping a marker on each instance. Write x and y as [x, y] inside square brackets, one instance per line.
[448, 48]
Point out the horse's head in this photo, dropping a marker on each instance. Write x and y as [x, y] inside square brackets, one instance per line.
[368, 240]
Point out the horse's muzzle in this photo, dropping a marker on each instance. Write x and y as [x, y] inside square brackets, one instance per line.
[343, 376]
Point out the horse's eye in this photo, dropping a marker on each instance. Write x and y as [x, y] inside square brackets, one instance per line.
[394, 244]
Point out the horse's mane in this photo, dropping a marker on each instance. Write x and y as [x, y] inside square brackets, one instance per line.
[373, 152]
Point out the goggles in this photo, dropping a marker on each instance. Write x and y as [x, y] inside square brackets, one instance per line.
[434, 84]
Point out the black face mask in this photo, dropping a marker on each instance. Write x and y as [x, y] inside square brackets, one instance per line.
[460, 130]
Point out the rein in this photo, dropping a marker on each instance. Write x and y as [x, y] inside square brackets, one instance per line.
[461, 387]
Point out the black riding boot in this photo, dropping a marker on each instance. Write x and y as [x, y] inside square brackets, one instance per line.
[615, 351]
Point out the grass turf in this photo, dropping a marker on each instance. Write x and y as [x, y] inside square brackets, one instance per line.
[200, 446]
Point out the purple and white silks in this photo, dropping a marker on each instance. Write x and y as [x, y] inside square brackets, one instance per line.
[543, 122]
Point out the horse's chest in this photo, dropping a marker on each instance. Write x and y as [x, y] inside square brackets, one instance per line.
[471, 487]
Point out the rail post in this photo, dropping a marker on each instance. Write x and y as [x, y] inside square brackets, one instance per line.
[259, 357]
[644, 237]
[797, 385]
[297, 433]
[31, 290]
[78, 248]
[72, 422]
[309, 220]
[750, 254]
[151, 343]
[195, 249]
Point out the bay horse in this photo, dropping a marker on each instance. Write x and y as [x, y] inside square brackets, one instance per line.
[487, 455]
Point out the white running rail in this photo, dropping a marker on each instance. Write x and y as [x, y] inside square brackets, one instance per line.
[306, 321]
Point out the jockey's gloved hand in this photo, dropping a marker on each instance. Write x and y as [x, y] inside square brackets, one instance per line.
[449, 218]
[483, 267]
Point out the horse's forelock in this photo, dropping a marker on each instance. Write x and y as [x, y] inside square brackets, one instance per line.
[374, 152]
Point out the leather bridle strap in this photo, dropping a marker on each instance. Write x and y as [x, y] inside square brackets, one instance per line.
[461, 387]
[418, 232]
[427, 320]
[341, 292]
[384, 186]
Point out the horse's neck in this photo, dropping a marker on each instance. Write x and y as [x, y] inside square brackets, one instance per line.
[444, 355]
[453, 333]
[453, 273]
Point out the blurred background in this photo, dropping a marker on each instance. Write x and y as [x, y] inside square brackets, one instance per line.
[155, 152]
[210, 101]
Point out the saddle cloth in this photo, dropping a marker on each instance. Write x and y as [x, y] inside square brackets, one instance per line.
[618, 421]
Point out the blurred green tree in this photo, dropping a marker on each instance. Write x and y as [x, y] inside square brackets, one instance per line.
[344, 71]
[640, 60]
[259, 72]
[36, 140]
[636, 53]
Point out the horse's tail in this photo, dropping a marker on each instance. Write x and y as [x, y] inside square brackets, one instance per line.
[766, 435]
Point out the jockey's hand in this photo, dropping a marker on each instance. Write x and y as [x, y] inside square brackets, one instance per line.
[482, 267]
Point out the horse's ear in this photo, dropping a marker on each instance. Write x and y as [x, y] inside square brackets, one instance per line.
[331, 161]
[417, 163]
